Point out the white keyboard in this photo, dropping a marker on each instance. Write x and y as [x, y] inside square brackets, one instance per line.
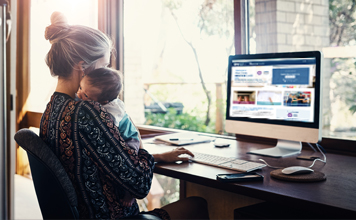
[226, 162]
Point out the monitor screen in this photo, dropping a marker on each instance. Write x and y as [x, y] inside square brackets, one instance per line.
[278, 91]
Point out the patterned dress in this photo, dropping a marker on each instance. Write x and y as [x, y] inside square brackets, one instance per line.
[100, 164]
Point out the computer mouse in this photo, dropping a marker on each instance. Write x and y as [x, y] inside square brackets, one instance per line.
[220, 143]
[297, 170]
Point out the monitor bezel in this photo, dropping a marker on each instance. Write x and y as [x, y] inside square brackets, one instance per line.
[317, 105]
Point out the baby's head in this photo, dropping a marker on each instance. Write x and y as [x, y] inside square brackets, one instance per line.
[101, 85]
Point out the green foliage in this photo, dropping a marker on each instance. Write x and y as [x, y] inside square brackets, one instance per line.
[182, 121]
[344, 80]
[212, 21]
[342, 22]
[342, 16]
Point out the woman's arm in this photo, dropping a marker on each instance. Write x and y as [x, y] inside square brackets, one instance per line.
[102, 142]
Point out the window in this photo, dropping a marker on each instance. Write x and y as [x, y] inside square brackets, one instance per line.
[175, 62]
[42, 84]
[176, 56]
[175, 66]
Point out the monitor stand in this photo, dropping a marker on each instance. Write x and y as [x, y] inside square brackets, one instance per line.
[283, 148]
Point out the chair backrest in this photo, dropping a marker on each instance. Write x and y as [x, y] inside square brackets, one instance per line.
[55, 193]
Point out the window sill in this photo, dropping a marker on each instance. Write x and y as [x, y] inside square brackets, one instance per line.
[331, 145]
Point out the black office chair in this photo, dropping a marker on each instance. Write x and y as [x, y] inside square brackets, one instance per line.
[55, 192]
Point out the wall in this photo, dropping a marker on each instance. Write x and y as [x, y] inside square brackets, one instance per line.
[295, 25]
[291, 25]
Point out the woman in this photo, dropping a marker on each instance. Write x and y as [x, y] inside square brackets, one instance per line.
[100, 164]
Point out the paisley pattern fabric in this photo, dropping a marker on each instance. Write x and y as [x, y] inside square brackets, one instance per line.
[100, 164]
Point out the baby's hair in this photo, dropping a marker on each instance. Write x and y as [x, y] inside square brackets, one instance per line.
[108, 81]
[72, 44]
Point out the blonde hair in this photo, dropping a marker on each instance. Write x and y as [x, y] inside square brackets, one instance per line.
[72, 44]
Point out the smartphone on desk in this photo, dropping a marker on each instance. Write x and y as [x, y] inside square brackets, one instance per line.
[239, 177]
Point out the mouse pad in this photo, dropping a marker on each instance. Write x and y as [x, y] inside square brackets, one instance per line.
[310, 177]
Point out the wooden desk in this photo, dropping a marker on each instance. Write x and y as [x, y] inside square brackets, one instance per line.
[335, 197]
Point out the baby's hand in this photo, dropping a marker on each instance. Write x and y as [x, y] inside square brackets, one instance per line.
[128, 203]
[128, 200]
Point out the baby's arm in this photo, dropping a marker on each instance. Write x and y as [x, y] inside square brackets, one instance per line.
[139, 135]
[122, 120]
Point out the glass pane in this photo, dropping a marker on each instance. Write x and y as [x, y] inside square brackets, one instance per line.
[84, 12]
[326, 25]
[176, 55]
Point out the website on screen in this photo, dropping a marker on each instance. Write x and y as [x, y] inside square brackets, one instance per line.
[280, 89]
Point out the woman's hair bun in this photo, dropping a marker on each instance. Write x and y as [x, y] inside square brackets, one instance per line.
[58, 18]
[59, 25]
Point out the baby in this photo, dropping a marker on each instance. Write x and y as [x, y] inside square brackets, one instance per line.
[103, 85]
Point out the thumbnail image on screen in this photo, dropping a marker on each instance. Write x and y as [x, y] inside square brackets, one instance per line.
[244, 97]
[297, 98]
[269, 97]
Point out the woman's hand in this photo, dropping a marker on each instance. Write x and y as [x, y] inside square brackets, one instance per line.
[173, 156]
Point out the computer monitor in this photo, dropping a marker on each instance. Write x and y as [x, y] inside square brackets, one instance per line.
[275, 95]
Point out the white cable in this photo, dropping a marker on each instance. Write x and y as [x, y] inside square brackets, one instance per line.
[324, 161]
[317, 145]
[269, 165]
[311, 146]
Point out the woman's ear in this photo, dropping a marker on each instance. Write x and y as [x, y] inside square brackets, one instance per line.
[81, 66]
